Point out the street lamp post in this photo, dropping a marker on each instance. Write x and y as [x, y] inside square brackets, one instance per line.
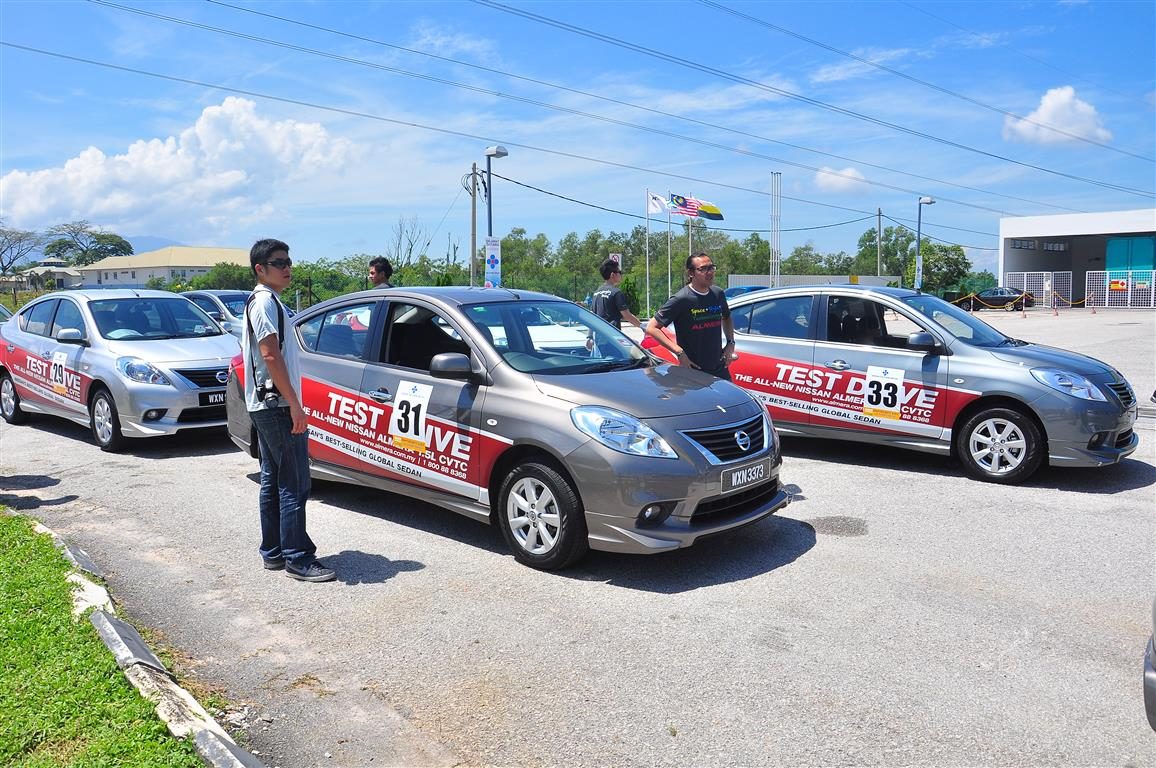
[918, 236]
[495, 151]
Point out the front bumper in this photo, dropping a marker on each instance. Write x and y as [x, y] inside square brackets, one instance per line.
[182, 409]
[1150, 683]
[1092, 434]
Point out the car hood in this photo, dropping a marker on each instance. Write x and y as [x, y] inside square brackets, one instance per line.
[1040, 356]
[658, 392]
[179, 351]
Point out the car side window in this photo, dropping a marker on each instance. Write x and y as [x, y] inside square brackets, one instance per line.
[68, 316]
[787, 318]
[38, 319]
[205, 304]
[416, 334]
[341, 331]
[854, 320]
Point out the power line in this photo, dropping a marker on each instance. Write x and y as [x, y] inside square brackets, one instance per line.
[447, 131]
[589, 115]
[932, 237]
[688, 64]
[918, 81]
[636, 216]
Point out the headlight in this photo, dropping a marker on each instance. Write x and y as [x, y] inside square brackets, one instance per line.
[138, 370]
[1068, 383]
[620, 431]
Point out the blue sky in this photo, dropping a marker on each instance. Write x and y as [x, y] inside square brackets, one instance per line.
[306, 127]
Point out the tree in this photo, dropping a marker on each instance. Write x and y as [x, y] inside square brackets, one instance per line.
[898, 249]
[79, 244]
[944, 266]
[225, 275]
[804, 260]
[15, 245]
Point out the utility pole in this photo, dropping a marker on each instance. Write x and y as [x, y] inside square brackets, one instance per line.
[879, 241]
[473, 219]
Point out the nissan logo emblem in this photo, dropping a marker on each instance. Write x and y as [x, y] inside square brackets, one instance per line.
[743, 440]
[223, 375]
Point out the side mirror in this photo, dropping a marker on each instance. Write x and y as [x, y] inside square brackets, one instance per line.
[71, 336]
[451, 365]
[922, 341]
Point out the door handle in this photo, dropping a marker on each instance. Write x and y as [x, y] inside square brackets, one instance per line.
[11, 348]
[381, 395]
[838, 365]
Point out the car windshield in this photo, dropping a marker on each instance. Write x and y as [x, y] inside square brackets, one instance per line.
[554, 337]
[961, 324]
[234, 302]
[150, 318]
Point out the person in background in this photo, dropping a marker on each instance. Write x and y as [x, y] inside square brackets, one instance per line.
[380, 271]
[272, 381]
[701, 319]
[609, 302]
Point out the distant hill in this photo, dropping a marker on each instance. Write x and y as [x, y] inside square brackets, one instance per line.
[146, 243]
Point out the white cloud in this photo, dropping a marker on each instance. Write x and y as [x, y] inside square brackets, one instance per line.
[226, 170]
[849, 70]
[846, 180]
[1059, 108]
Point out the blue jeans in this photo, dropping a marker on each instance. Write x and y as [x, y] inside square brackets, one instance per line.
[285, 486]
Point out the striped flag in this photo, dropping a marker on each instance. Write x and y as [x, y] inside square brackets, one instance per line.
[683, 206]
[710, 211]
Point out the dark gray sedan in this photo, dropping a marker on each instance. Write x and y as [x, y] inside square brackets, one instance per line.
[451, 396]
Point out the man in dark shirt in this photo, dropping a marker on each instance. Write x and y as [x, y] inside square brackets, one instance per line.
[609, 302]
[701, 318]
[380, 271]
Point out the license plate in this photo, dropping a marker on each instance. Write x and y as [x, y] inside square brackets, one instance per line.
[742, 477]
[212, 398]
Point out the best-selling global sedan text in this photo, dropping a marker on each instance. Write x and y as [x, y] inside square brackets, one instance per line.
[567, 440]
[125, 363]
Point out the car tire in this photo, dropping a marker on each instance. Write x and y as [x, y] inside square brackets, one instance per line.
[1000, 445]
[10, 401]
[1010, 307]
[105, 421]
[541, 517]
[971, 306]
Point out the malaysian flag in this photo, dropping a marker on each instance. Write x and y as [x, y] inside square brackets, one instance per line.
[683, 206]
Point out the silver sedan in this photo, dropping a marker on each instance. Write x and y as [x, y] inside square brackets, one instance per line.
[455, 397]
[126, 363]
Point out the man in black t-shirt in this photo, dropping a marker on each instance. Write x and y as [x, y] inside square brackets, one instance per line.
[609, 302]
[701, 318]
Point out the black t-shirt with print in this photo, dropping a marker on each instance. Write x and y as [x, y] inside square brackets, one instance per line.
[697, 320]
[609, 303]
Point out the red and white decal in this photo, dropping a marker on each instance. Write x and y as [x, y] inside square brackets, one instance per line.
[878, 400]
[349, 429]
[49, 380]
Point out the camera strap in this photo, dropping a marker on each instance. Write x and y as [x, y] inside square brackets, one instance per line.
[280, 328]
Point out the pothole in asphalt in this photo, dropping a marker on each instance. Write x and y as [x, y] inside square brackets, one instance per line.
[839, 526]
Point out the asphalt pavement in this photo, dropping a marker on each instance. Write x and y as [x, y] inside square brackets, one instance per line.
[897, 613]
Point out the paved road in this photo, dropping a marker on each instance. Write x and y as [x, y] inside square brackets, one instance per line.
[896, 613]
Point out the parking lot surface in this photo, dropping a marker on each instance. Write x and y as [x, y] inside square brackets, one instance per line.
[897, 613]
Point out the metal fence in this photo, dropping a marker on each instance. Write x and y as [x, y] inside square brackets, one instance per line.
[1050, 289]
[1121, 288]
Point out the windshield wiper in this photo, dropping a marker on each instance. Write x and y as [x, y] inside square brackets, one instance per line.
[616, 365]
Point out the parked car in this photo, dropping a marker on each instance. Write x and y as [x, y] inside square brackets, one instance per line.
[608, 449]
[739, 290]
[1009, 299]
[127, 363]
[897, 367]
[226, 307]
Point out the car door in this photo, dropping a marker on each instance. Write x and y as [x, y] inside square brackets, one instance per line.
[30, 352]
[69, 374]
[424, 429]
[775, 342]
[867, 381]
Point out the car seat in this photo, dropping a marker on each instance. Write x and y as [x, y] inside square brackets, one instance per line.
[337, 340]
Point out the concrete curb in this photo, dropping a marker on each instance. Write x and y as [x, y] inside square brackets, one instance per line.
[184, 716]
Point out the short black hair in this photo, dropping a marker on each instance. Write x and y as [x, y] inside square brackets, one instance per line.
[263, 250]
[609, 267]
[381, 264]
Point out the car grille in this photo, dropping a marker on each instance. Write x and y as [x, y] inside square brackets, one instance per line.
[718, 508]
[1124, 392]
[720, 444]
[200, 415]
[1124, 438]
[203, 377]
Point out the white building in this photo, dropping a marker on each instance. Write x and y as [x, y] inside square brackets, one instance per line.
[1079, 244]
[177, 261]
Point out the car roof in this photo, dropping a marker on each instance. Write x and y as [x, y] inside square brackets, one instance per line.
[453, 295]
[111, 293]
[220, 291]
[843, 288]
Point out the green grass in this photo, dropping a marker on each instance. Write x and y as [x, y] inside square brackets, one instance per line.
[63, 700]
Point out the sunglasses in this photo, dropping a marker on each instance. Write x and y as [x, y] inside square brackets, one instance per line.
[279, 263]
[706, 268]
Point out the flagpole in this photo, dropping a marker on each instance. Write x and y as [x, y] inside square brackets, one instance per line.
[669, 292]
[646, 206]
